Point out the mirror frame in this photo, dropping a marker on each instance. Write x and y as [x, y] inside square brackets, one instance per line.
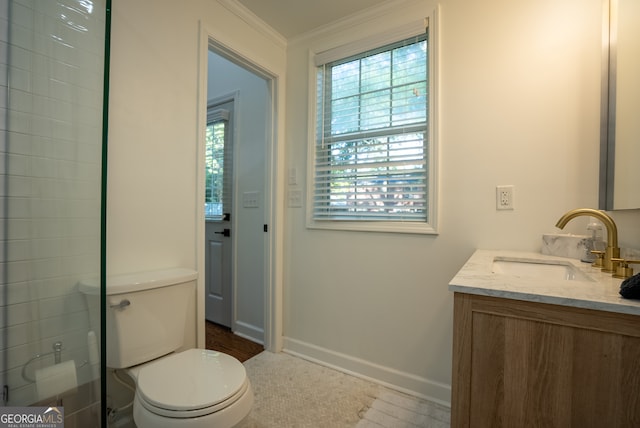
[608, 105]
[610, 110]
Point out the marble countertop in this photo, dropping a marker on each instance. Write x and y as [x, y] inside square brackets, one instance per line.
[477, 277]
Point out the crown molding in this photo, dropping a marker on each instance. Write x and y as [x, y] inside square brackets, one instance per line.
[254, 21]
[372, 13]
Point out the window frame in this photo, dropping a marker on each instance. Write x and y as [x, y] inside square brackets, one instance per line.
[429, 24]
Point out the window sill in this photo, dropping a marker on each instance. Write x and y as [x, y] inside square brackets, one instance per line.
[364, 226]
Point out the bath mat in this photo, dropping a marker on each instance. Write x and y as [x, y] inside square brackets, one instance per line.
[293, 392]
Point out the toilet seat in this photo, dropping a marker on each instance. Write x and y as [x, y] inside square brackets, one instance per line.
[191, 384]
[194, 413]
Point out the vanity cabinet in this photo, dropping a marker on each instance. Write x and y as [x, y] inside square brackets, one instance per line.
[524, 364]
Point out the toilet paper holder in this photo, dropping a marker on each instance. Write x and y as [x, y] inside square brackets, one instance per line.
[57, 359]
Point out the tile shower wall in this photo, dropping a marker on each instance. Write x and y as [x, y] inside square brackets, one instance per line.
[51, 80]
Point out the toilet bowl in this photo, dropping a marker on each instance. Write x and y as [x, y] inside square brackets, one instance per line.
[146, 321]
[194, 388]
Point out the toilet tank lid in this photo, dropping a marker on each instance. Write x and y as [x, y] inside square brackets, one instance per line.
[140, 281]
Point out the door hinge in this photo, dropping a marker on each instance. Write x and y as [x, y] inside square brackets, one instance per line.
[265, 228]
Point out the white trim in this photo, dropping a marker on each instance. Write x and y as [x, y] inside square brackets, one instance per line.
[274, 254]
[274, 238]
[411, 29]
[373, 226]
[395, 379]
[434, 112]
[201, 125]
[373, 13]
[254, 21]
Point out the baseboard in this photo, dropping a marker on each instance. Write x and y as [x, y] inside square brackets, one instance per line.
[248, 331]
[387, 376]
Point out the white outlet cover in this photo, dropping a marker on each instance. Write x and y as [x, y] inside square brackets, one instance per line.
[504, 197]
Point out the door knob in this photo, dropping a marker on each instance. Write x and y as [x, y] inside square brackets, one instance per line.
[225, 232]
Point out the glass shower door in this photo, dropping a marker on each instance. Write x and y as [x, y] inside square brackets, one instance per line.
[51, 147]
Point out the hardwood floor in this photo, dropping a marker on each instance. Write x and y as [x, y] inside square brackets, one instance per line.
[222, 339]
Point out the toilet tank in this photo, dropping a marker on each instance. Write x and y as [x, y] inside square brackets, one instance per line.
[146, 314]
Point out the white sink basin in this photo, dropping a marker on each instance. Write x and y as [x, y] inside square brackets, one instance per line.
[541, 269]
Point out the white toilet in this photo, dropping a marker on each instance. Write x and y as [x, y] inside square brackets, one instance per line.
[146, 319]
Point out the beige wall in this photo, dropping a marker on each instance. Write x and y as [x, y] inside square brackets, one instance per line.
[153, 125]
[154, 219]
[519, 104]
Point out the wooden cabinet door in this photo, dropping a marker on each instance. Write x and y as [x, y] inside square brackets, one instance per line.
[522, 364]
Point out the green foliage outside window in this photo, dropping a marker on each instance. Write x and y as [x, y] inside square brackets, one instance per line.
[214, 167]
[371, 154]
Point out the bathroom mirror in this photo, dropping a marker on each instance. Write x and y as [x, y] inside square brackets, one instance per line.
[620, 127]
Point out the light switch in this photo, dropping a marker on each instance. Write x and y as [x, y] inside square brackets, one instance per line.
[295, 198]
[250, 199]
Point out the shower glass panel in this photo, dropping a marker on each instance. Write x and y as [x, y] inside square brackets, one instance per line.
[52, 55]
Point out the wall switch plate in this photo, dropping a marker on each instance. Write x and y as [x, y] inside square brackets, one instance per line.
[504, 197]
[295, 198]
[250, 199]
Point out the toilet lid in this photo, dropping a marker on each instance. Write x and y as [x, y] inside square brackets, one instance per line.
[193, 379]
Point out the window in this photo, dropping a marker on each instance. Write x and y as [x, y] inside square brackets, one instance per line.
[371, 152]
[217, 164]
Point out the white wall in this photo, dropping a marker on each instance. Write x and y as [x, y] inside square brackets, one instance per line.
[519, 104]
[153, 211]
[251, 112]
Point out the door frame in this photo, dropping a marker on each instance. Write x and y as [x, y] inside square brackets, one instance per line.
[274, 199]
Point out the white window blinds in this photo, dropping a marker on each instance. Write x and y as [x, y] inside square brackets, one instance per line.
[218, 162]
[371, 136]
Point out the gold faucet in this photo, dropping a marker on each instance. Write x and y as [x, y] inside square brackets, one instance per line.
[612, 251]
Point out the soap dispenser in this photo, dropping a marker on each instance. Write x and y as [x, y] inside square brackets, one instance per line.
[594, 242]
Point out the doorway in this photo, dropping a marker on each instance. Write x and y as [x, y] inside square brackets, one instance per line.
[236, 250]
[218, 207]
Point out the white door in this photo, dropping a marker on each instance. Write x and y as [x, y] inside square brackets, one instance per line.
[218, 205]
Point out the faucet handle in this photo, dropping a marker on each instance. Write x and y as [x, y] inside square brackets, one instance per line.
[599, 258]
[623, 270]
